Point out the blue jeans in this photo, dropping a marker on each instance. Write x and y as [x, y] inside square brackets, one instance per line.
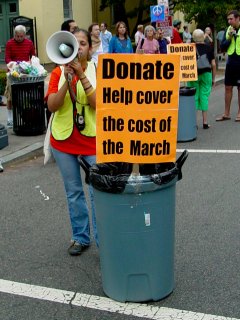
[77, 205]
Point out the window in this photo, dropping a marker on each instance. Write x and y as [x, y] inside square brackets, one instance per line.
[67, 9]
[12, 7]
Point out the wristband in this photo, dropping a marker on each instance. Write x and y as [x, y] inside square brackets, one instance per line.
[91, 92]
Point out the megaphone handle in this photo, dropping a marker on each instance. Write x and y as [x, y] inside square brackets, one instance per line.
[72, 93]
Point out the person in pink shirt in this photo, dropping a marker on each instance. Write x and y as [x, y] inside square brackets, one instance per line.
[149, 44]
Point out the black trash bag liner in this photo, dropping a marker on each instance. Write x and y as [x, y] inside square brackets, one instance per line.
[187, 91]
[112, 177]
[109, 177]
[162, 173]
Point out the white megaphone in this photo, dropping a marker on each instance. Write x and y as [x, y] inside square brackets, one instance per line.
[62, 47]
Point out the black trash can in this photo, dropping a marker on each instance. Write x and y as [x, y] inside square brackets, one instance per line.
[187, 115]
[136, 227]
[28, 108]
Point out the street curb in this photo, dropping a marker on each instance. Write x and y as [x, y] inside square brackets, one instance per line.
[32, 150]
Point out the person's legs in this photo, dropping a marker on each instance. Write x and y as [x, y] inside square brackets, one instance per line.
[8, 95]
[228, 100]
[92, 160]
[195, 84]
[78, 211]
[230, 81]
[238, 113]
[205, 85]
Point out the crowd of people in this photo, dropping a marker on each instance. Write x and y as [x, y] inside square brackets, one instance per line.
[73, 102]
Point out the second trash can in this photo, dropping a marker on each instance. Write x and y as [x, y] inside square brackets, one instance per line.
[187, 117]
[136, 226]
[28, 108]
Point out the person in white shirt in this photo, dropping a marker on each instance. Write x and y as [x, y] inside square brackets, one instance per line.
[105, 36]
[187, 37]
[139, 34]
[97, 48]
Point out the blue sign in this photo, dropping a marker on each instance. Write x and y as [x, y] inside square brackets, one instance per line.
[157, 13]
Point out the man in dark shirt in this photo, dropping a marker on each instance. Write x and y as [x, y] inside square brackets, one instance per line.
[69, 25]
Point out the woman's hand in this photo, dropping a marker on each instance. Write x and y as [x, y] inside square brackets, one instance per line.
[77, 68]
[68, 70]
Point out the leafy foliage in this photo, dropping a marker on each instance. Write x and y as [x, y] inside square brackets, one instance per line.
[3, 80]
[206, 12]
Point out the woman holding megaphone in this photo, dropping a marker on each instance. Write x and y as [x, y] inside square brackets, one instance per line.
[72, 98]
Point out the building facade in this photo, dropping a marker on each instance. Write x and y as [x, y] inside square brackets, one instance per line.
[47, 16]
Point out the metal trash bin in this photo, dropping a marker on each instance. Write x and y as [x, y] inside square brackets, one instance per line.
[136, 221]
[28, 108]
[187, 116]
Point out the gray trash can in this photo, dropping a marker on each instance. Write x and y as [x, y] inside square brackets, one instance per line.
[136, 222]
[187, 116]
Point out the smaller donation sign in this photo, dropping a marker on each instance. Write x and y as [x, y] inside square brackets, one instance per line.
[137, 107]
[188, 66]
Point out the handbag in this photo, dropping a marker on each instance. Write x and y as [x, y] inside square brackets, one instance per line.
[48, 156]
[202, 61]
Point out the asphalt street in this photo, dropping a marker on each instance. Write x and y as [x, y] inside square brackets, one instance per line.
[35, 233]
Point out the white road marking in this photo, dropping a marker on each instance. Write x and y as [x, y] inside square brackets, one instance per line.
[46, 197]
[209, 151]
[101, 303]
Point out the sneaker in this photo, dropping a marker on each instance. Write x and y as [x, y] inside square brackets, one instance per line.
[76, 248]
[9, 124]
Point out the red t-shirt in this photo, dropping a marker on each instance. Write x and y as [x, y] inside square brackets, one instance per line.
[176, 38]
[76, 143]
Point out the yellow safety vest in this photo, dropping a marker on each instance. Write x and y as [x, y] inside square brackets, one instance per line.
[62, 123]
[235, 44]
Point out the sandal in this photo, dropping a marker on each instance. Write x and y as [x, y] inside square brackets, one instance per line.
[223, 118]
[237, 119]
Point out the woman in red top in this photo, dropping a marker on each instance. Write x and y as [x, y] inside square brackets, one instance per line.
[70, 102]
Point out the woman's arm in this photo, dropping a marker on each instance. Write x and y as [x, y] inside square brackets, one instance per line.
[111, 45]
[213, 64]
[86, 84]
[56, 99]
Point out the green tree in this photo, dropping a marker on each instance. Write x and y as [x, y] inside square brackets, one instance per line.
[206, 12]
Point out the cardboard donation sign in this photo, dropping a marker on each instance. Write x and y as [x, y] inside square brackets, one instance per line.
[188, 60]
[137, 107]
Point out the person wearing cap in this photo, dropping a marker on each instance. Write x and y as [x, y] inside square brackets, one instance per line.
[176, 38]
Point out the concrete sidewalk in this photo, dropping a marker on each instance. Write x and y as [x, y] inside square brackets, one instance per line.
[22, 147]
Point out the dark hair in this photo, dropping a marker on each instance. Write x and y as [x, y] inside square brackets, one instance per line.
[87, 34]
[118, 25]
[91, 26]
[105, 24]
[234, 12]
[65, 25]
